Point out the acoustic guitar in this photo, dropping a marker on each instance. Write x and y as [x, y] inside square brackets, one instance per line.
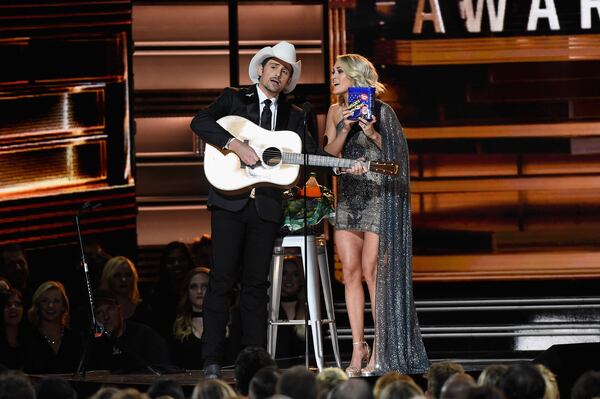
[280, 154]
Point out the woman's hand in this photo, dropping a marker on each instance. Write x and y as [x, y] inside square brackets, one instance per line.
[368, 128]
[347, 122]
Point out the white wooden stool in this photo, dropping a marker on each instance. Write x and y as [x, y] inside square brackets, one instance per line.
[314, 258]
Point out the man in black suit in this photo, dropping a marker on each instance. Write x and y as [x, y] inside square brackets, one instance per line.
[244, 226]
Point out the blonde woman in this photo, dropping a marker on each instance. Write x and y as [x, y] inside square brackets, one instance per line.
[54, 348]
[121, 277]
[373, 227]
[213, 389]
[189, 320]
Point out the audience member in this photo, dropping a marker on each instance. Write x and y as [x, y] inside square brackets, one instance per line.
[484, 392]
[387, 379]
[54, 387]
[14, 266]
[248, 362]
[457, 386]
[212, 389]
[13, 330]
[4, 284]
[96, 257]
[165, 388]
[328, 379]
[351, 389]
[552, 391]
[15, 385]
[53, 347]
[129, 393]
[121, 277]
[202, 251]
[290, 339]
[523, 380]
[437, 376]
[297, 383]
[175, 263]
[264, 383]
[401, 390]
[189, 323]
[126, 345]
[587, 386]
[492, 375]
[105, 393]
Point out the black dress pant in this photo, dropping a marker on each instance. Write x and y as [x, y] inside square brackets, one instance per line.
[239, 239]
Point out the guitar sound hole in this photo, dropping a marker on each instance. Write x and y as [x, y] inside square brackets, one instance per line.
[271, 156]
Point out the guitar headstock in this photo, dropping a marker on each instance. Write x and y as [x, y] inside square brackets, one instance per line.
[386, 168]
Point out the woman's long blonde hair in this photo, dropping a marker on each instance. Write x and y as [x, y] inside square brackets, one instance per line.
[110, 269]
[34, 311]
[361, 71]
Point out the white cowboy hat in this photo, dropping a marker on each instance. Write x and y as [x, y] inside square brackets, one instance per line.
[284, 51]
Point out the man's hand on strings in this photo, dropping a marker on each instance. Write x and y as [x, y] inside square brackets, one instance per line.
[246, 153]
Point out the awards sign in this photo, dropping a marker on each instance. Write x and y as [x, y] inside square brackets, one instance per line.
[467, 18]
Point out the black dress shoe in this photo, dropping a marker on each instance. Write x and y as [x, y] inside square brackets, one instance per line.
[212, 371]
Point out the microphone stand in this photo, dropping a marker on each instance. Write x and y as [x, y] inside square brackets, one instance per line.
[96, 330]
[305, 110]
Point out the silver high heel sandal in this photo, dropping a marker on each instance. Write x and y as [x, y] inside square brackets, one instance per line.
[354, 371]
[370, 370]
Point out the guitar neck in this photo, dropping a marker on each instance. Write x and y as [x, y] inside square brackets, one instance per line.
[316, 160]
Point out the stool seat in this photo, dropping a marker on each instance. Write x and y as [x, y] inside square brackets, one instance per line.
[316, 268]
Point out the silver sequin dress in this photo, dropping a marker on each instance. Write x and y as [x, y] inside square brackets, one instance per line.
[359, 201]
[399, 342]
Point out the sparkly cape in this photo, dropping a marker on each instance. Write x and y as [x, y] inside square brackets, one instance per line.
[399, 342]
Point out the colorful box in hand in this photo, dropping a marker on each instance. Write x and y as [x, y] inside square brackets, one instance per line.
[360, 102]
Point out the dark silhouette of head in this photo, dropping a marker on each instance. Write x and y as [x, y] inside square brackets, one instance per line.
[437, 376]
[351, 389]
[248, 362]
[297, 383]
[523, 381]
[14, 266]
[457, 385]
[165, 387]
[484, 392]
[54, 387]
[263, 384]
[15, 385]
[587, 386]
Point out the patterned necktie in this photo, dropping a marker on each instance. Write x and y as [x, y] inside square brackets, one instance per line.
[266, 115]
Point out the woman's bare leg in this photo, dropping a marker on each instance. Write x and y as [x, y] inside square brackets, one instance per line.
[349, 246]
[370, 251]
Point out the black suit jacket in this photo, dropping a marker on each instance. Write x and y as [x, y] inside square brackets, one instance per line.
[244, 103]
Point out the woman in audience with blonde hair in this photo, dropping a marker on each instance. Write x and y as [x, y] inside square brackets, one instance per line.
[492, 375]
[121, 277]
[328, 379]
[387, 379]
[189, 321]
[213, 389]
[53, 348]
[401, 389]
[550, 380]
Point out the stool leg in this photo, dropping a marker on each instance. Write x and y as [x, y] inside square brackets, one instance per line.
[314, 300]
[328, 297]
[275, 293]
